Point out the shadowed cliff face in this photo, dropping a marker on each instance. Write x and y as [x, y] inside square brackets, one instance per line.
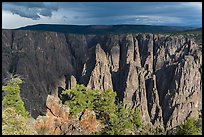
[160, 74]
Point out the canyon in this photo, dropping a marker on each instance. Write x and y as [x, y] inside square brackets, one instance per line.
[161, 74]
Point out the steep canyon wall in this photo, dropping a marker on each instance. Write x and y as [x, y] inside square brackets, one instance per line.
[160, 74]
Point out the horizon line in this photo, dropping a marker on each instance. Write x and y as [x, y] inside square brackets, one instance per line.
[195, 26]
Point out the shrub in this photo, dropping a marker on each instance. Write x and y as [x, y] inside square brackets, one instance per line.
[12, 97]
[191, 127]
[105, 107]
[117, 119]
[79, 98]
[126, 121]
[14, 124]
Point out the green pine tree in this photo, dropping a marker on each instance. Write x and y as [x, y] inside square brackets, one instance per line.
[12, 97]
[191, 127]
[117, 119]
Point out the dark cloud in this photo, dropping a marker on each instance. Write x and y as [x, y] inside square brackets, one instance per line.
[166, 13]
[162, 13]
[26, 4]
[45, 12]
[31, 10]
[24, 12]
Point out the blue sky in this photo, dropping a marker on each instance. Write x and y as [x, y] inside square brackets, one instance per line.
[18, 14]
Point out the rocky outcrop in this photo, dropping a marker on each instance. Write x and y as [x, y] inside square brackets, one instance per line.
[175, 80]
[42, 59]
[158, 73]
[71, 83]
[185, 93]
[57, 116]
[154, 108]
[100, 77]
[59, 121]
[89, 123]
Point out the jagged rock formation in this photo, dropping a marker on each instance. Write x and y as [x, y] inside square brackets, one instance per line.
[160, 74]
[59, 121]
[100, 77]
[57, 118]
[71, 83]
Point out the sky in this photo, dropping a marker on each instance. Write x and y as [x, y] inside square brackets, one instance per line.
[19, 14]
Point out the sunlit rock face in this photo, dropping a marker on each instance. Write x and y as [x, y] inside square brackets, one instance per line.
[160, 74]
[59, 121]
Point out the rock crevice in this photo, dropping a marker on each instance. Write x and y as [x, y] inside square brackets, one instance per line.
[159, 73]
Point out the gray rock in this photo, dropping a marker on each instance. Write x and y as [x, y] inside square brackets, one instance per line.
[158, 73]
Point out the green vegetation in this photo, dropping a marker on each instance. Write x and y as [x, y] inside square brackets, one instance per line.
[12, 98]
[79, 98]
[15, 117]
[155, 130]
[14, 124]
[117, 119]
[191, 127]
[126, 121]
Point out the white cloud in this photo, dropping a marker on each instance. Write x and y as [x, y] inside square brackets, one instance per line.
[197, 5]
[151, 19]
[12, 21]
[160, 19]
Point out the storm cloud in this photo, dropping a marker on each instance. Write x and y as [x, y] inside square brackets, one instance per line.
[31, 10]
[108, 13]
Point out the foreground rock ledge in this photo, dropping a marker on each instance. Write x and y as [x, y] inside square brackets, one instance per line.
[58, 120]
